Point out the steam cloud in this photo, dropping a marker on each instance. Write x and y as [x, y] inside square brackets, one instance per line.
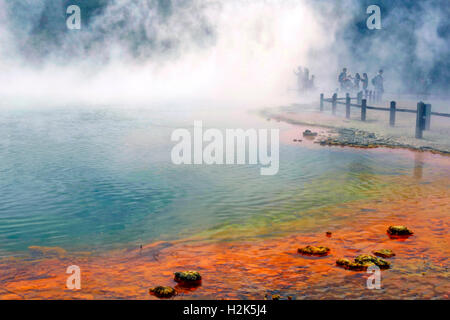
[219, 53]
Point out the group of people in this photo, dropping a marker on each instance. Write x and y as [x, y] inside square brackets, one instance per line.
[347, 82]
[304, 81]
[357, 83]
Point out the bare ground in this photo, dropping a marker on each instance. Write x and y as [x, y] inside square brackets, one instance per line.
[374, 132]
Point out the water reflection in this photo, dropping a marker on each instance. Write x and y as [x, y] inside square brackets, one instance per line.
[418, 165]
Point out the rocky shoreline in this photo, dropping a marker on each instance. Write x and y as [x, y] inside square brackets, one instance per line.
[363, 139]
[352, 137]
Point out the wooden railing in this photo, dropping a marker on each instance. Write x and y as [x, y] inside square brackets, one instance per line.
[423, 111]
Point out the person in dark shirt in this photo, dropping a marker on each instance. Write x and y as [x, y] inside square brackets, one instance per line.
[342, 78]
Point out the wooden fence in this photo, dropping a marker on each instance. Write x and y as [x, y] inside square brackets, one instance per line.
[423, 112]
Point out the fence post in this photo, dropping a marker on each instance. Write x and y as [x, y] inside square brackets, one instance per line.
[392, 114]
[347, 105]
[365, 94]
[363, 109]
[427, 117]
[420, 120]
[321, 102]
[359, 97]
[334, 103]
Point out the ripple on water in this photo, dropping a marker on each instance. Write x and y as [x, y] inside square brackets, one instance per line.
[100, 179]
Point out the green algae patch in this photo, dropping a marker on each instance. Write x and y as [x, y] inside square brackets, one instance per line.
[319, 251]
[47, 251]
[399, 231]
[188, 278]
[368, 259]
[347, 264]
[163, 292]
[362, 262]
[384, 253]
[300, 214]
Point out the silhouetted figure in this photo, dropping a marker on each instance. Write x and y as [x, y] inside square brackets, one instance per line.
[306, 78]
[300, 78]
[342, 78]
[311, 84]
[378, 84]
[365, 81]
[304, 82]
[347, 84]
[357, 81]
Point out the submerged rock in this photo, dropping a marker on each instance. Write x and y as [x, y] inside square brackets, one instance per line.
[399, 231]
[163, 292]
[343, 262]
[314, 251]
[309, 133]
[384, 253]
[329, 234]
[347, 264]
[188, 278]
[362, 262]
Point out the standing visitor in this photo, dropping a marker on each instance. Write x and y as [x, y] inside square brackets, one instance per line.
[306, 78]
[378, 84]
[342, 78]
[311, 84]
[300, 82]
[357, 81]
[365, 82]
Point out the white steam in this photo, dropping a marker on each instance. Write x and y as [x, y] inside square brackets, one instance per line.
[248, 60]
[234, 53]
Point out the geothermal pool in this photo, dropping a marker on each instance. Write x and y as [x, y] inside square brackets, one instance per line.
[90, 186]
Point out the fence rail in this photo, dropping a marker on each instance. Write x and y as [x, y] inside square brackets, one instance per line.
[423, 112]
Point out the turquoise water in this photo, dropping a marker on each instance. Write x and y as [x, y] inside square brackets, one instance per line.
[99, 179]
